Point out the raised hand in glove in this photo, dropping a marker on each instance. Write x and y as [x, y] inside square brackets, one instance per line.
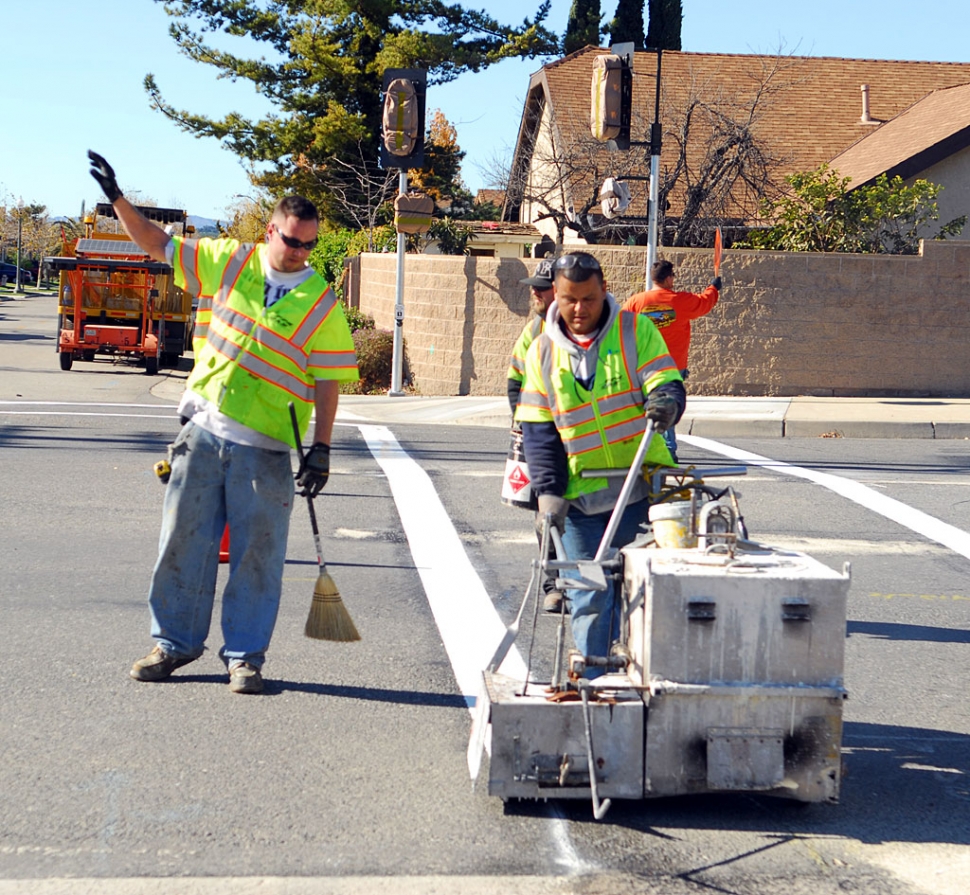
[716, 283]
[314, 470]
[558, 506]
[104, 174]
[662, 409]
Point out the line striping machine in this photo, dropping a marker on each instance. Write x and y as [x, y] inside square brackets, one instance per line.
[727, 676]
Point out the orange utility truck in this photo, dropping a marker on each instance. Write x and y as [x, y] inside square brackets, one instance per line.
[115, 302]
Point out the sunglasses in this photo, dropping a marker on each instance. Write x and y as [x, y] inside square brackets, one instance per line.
[568, 262]
[295, 243]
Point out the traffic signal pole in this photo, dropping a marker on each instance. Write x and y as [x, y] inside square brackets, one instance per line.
[397, 357]
[656, 137]
[398, 125]
[610, 121]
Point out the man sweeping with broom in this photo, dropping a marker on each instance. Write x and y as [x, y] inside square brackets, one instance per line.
[268, 332]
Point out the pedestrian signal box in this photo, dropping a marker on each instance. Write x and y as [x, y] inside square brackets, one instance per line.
[402, 122]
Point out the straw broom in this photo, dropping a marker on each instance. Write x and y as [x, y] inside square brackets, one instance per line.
[328, 618]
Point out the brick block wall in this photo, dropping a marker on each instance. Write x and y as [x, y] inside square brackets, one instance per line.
[786, 324]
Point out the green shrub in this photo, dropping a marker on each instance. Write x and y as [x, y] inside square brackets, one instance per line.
[327, 259]
[452, 237]
[375, 361]
[357, 319]
[384, 240]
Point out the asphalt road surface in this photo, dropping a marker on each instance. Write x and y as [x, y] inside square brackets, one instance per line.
[348, 775]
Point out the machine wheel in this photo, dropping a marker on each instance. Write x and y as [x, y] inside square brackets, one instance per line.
[87, 355]
[151, 365]
[67, 360]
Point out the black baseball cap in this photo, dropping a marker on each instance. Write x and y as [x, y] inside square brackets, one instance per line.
[542, 279]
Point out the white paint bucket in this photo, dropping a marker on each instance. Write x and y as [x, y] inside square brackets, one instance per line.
[671, 524]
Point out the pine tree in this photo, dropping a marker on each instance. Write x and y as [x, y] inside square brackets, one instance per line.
[583, 26]
[323, 72]
[627, 24]
[663, 29]
[441, 176]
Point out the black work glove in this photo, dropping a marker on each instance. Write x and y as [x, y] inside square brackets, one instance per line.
[716, 283]
[662, 409]
[104, 174]
[314, 470]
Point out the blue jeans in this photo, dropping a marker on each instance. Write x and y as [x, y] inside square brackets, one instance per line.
[670, 439]
[215, 481]
[595, 615]
[669, 435]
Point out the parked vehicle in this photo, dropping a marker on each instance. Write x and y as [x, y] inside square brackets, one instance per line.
[10, 272]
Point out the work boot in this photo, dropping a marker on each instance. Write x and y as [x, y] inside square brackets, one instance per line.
[552, 601]
[245, 678]
[157, 666]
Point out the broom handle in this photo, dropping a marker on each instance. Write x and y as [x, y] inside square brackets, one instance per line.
[309, 500]
[316, 535]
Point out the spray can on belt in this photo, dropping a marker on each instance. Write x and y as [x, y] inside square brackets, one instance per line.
[517, 483]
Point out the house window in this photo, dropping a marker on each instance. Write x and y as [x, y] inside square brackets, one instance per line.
[482, 253]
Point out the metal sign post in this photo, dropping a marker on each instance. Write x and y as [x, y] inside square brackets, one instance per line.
[397, 358]
[20, 244]
[656, 134]
[395, 122]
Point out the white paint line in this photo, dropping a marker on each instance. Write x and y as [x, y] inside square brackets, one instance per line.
[934, 868]
[355, 533]
[294, 885]
[129, 416]
[83, 404]
[568, 858]
[349, 415]
[914, 766]
[470, 627]
[813, 546]
[915, 520]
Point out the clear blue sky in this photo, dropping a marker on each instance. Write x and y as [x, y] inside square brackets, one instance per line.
[71, 74]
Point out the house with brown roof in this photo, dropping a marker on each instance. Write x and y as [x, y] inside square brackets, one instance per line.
[498, 239]
[788, 113]
[929, 140]
[490, 197]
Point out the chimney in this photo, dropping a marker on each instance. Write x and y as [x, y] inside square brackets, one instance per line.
[866, 117]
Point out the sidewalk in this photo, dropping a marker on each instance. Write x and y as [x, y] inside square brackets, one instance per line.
[801, 417]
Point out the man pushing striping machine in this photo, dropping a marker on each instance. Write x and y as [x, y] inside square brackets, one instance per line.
[702, 661]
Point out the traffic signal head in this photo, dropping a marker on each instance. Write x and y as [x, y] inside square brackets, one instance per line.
[611, 98]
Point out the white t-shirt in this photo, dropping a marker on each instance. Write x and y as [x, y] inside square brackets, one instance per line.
[202, 412]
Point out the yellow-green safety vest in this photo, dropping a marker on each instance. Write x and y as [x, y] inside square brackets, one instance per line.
[250, 360]
[528, 335]
[600, 429]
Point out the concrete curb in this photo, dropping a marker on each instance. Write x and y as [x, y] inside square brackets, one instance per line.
[708, 417]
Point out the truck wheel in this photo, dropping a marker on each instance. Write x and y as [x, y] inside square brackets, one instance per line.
[87, 355]
[151, 365]
[67, 360]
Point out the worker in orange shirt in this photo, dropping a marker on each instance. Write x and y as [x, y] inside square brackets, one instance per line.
[672, 313]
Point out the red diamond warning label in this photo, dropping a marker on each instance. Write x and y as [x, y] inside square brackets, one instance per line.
[517, 479]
